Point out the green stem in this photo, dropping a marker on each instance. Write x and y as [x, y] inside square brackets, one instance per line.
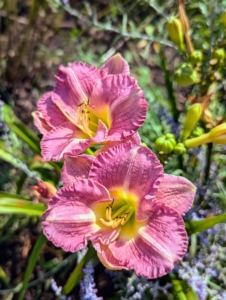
[208, 162]
[169, 85]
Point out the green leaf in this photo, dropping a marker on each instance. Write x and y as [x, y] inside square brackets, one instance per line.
[10, 158]
[77, 274]
[21, 130]
[191, 295]
[178, 289]
[10, 204]
[31, 263]
[202, 225]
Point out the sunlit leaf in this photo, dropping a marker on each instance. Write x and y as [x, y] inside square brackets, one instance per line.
[10, 204]
[202, 225]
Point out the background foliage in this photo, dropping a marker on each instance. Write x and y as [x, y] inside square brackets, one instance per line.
[37, 36]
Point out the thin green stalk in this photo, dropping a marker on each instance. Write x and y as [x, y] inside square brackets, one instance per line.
[31, 263]
[208, 163]
[169, 86]
[33, 14]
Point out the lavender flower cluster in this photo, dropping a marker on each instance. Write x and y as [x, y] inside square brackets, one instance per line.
[206, 273]
[135, 288]
[87, 285]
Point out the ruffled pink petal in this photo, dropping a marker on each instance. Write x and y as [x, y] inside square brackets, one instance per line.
[69, 218]
[74, 86]
[132, 167]
[107, 258]
[40, 122]
[52, 114]
[62, 141]
[135, 138]
[76, 168]
[116, 65]
[176, 192]
[158, 245]
[122, 100]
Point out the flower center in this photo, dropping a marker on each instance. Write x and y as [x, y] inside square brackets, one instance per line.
[118, 217]
[86, 119]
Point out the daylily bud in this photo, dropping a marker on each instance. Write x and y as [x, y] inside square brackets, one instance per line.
[216, 135]
[175, 31]
[43, 191]
[192, 117]
[219, 54]
[179, 149]
[223, 18]
[198, 131]
[196, 57]
[185, 75]
[165, 143]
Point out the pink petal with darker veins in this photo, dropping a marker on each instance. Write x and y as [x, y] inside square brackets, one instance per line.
[69, 218]
[74, 86]
[132, 167]
[76, 168]
[107, 258]
[135, 138]
[176, 192]
[158, 245]
[116, 65]
[120, 97]
[40, 122]
[53, 116]
[62, 141]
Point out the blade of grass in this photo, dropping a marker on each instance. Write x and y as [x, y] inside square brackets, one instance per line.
[21, 130]
[31, 263]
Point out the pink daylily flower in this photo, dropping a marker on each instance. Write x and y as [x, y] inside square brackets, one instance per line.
[124, 203]
[89, 107]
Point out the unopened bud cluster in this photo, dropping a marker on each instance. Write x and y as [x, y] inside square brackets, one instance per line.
[167, 144]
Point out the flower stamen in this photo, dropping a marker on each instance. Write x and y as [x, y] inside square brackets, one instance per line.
[120, 217]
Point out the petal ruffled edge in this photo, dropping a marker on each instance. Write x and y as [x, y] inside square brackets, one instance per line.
[119, 102]
[51, 113]
[69, 220]
[153, 252]
[176, 192]
[116, 65]
[63, 141]
[135, 138]
[133, 168]
[76, 168]
[40, 122]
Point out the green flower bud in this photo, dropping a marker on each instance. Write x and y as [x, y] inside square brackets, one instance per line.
[223, 18]
[198, 131]
[219, 54]
[216, 135]
[179, 149]
[196, 56]
[175, 31]
[165, 143]
[193, 115]
[185, 75]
